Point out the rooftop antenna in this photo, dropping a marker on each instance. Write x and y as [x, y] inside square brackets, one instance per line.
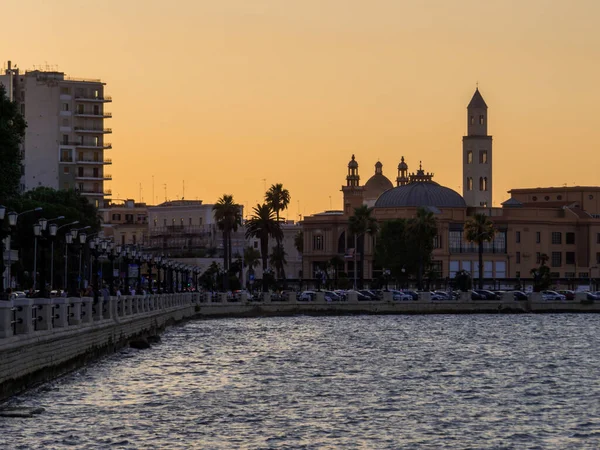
[141, 198]
[165, 186]
[183, 193]
[153, 198]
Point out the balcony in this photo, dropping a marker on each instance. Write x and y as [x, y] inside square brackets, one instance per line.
[102, 115]
[84, 98]
[93, 130]
[66, 159]
[105, 146]
[93, 162]
[98, 192]
[94, 178]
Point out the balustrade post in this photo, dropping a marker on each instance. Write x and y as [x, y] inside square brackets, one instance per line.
[320, 297]
[266, 297]
[292, 297]
[222, 297]
[44, 313]
[5, 319]
[61, 311]
[425, 296]
[466, 297]
[87, 314]
[135, 304]
[388, 296]
[75, 311]
[352, 297]
[24, 323]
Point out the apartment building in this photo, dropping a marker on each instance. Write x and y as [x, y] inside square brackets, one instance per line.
[126, 222]
[65, 141]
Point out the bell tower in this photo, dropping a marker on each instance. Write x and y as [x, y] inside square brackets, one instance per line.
[477, 155]
[402, 177]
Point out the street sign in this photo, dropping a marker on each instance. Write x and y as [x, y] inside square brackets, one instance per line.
[251, 277]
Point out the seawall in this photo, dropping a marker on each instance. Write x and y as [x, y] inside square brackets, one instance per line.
[41, 339]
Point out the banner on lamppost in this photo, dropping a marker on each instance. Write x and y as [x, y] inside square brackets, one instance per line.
[133, 270]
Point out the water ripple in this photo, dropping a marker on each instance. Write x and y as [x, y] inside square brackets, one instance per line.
[372, 382]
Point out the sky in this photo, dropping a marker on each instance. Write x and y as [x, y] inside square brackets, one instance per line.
[231, 96]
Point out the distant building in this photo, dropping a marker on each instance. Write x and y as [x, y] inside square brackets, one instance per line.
[126, 222]
[561, 222]
[65, 140]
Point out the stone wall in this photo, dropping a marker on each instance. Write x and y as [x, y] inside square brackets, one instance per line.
[42, 338]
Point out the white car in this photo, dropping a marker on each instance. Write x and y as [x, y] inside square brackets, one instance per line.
[400, 296]
[553, 296]
[307, 296]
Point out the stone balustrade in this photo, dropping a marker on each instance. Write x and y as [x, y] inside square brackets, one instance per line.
[24, 316]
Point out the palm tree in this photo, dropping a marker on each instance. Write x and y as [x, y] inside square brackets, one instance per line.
[480, 229]
[359, 224]
[299, 241]
[277, 258]
[422, 230]
[263, 225]
[278, 198]
[228, 216]
[251, 258]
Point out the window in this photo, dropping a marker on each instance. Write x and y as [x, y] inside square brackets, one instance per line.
[518, 237]
[66, 169]
[584, 275]
[80, 187]
[538, 257]
[116, 217]
[570, 257]
[488, 269]
[500, 269]
[255, 244]
[597, 257]
[453, 268]
[538, 237]
[134, 239]
[199, 220]
[469, 157]
[80, 109]
[569, 274]
[190, 222]
[164, 222]
[437, 241]
[483, 204]
[483, 157]
[481, 119]
[155, 222]
[556, 237]
[470, 186]
[65, 106]
[66, 186]
[80, 171]
[65, 90]
[436, 268]
[570, 238]
[318, 243]
[472, 120]
[597, 238]
[96, 172]
[65, 140]
[556, 259]
[483, 184]
[518, 258]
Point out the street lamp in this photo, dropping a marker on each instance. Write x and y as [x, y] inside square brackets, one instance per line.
[386, 276]
[37, 231]
[591, 283]
[54, 229]
[50, 233]
[13, 218]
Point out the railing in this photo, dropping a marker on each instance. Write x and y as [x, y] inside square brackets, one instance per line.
[93, 130]
[93, 145]
[94, 161]
[66, 160]
[91, 114]
[106, 98]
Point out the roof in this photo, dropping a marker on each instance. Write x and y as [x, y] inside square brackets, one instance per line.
[512, 202]
[420, 194]
[477, 101]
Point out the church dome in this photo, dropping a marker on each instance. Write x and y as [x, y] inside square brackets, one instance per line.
[416, 194]
[376, 185]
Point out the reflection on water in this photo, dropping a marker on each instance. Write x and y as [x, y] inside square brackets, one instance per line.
[422, 382]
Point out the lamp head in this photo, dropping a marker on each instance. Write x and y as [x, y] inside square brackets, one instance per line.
[82, 238]
[12, 218]
[2, 212]
[53, 229]
[37, 229]
[69, 238]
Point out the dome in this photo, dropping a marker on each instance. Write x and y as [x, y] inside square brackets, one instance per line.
[376, 185]
[353, 164]
[416, 194]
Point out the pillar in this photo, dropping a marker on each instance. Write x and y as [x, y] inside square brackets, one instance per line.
[352, 297]
[292, 297]
[5, 319]
[61, 311]
[23, 315]
[320, 297]
[87, 314]
[75, 310]
[388, 296]
[44, 313]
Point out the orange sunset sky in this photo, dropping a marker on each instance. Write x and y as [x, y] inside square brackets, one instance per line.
[224, 94]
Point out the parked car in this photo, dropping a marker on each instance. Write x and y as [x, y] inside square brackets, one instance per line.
[553, 296]
[413, 294]
[400, 296]
[569, 295]
[477, 296]
[307, 296]
[444, 295]
[331, 296]
[520, 295]
[370, 294]
[486, 295]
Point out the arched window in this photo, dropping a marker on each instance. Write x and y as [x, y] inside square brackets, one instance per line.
[481, 119]
[469, 157]
[469, 183]
[472, 120]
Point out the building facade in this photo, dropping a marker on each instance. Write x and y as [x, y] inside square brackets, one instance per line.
[126, 222]
[65, 140]
[562, 223]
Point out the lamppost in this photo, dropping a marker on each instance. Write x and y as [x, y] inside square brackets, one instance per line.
[158, 264]
[150, 264]
[52, 236]
[319, 274]
[82, 241]
[13, 219]
[591, 283]
[3, 236]
[386, 277]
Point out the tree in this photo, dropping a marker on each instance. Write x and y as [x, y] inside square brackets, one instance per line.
[480, 229]
[299, 242]
[277, 257]
[263, 225]
[228, 216]
[12, 133]
[278, 199]
[393, 250]
[360, 224]
[251, 258]
[422, 230]
[541, 275]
